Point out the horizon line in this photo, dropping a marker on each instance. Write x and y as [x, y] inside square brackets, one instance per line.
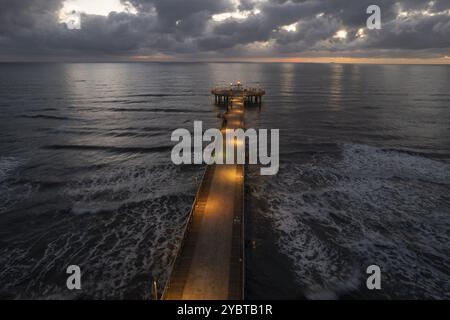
[307, 60]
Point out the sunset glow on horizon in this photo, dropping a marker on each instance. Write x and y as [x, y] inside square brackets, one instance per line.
[344, 60]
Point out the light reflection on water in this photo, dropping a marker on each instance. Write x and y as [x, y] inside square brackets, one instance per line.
[85, 175]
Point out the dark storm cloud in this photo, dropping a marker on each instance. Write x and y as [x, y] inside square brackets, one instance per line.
[419, 31]
[186, 28]
[171, 11]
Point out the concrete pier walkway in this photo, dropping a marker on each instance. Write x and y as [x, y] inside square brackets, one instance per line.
[210, 263]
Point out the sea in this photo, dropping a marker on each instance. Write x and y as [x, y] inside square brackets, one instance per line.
[86, 177]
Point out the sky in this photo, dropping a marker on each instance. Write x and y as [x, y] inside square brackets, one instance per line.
[412, 31]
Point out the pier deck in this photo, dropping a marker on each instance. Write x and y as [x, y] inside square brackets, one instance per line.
[248, 95]
[210, 264]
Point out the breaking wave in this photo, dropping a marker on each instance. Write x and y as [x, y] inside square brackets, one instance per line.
[11, 194]
[110, 148]
[45, 116]
[335, 216]
[120, 225]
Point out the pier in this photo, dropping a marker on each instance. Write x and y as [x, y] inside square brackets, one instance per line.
[210, 260]
[248, 95]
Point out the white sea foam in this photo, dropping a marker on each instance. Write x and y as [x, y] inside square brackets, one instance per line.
[111, 189]
[122, 229]
[336, 216]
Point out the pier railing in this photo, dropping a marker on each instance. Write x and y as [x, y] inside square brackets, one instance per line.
[185, 230]
[224, 91]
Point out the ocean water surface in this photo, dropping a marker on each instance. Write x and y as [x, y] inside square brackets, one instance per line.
[86, 177]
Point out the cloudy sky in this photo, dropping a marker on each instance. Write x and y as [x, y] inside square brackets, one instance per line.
[247, 30]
